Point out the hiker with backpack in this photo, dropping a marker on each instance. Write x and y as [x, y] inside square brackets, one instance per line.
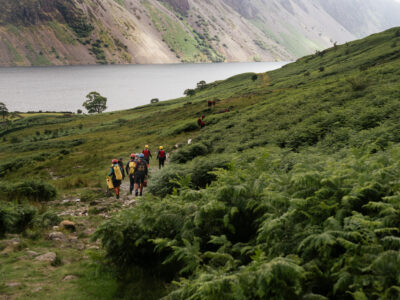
[116, 176]
[140, 174]
[161, 156]
[130, 171]
[147, 154]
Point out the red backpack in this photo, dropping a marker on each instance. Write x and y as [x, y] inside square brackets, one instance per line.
[146, 153]
[161, 154]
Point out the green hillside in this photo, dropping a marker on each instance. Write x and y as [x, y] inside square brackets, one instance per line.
[291, 194]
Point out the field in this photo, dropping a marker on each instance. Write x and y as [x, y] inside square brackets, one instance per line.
[291, 191]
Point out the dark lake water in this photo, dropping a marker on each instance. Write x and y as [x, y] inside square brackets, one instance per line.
[125, 86]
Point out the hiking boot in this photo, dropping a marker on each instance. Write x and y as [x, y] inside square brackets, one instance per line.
[140, 194]
[117, 196]
[136, 193]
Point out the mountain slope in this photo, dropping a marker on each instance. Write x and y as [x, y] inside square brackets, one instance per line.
[305, 202]
[367, 16]
[45, 32]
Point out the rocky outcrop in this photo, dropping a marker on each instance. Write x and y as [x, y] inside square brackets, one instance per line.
[49, 257]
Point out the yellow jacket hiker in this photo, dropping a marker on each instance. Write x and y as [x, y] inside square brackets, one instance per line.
[130, 171]
[117, 174]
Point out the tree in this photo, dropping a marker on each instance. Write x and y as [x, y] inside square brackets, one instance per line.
[201, 84]
[3, 110]
[154, 100]
[95, 103]
[79, 111]
[189, 92]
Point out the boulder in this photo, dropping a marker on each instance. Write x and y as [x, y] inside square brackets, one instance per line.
[50, 257]
[12, 284]
[69, 225]
[56, 236]
[37, 289]
[70, 277]
[31, 253]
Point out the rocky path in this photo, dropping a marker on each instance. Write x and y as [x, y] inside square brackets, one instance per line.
[56, 256]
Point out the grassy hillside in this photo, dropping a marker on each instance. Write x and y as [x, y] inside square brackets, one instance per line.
[304, 204]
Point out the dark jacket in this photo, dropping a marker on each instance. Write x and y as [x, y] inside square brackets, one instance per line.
[141, 167]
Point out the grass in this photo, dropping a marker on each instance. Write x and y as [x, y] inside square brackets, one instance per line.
[179, 37]
[334, 114]
[62, 34]
[17, 58]
[41, 280]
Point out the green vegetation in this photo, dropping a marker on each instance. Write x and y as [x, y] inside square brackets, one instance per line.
[75, 18]
[291, 190]
[3, 110]
[61, 33]
[186, 43]
[95, 103]
[17, 58]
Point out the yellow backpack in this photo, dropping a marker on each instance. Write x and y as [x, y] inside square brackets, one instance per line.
[109, 183]
[131, 167]
[117, 172]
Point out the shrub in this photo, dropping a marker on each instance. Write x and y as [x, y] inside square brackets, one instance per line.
[58, 261]
[163, 182]
[90, 195]
[47, 219]
[187, 153]
[15, 140]
[202, 166]
[160, 183]
[182, 127]
[15, 218]
[29, 190]
[357, 83]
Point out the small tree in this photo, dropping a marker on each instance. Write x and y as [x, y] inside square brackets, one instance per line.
[154, 100]
[189, 92]
[254, 77]
[79, 111]
[3, 110]
[95, 103]
[201, 84]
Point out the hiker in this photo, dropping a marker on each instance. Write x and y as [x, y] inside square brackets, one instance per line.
[130, 171]
[214, 103]
[162, 157]
[140, 174]
[147, 154]
[199, 122]
[116, 176]
[209, 103]
[202, 117]
[121, 164]
[202, 124]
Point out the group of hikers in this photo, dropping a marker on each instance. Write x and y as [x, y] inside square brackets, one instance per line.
[136, 169]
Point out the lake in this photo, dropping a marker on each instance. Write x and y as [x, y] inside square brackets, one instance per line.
[125, 86]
